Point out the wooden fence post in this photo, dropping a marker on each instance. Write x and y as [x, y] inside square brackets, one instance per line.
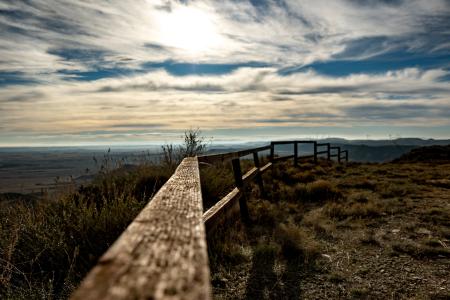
[295, 154]
[346, 156]
[272, 151]
[339, 154]
[259, 178]
[328, 152]
[315, 152]
[240, 185]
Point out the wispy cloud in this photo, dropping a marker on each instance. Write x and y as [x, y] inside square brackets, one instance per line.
[68, 67]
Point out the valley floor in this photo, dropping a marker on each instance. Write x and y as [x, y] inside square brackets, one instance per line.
[328, 231]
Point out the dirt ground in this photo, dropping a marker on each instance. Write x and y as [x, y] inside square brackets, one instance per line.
[328, 231]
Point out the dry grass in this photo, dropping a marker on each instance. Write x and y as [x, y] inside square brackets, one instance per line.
[347, 232]
[47, 247]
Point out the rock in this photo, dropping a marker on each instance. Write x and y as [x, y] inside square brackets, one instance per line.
[395, 230]
[327, 256]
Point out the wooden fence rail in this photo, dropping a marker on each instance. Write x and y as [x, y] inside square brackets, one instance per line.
[162, 254]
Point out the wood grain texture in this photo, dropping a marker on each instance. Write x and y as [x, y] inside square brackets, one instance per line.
[162, 254]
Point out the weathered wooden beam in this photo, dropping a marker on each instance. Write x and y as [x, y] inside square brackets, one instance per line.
[295, 154]
[259, 178]
[212, 158]
[266, 167]
[162, 254]
[240, 185]
[249, 176]
[272, 151]
[322, 152]
[338, 154]
[315, 152]
[281, 158]
[227, 206]
[283, 142]
[328, 152]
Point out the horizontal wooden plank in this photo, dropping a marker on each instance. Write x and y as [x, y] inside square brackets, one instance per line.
[162, 254]
[230, 155]
[282, 142]
[333, 155]
[293, 142]
[249, 175]
[281, 158]
[306, 156]
[322, 152]
[266, 167]
[213, 216]
[322, 144]
[335, 148]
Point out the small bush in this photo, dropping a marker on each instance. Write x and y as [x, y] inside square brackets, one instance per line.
[304, 177]
[342, 211]
[358, 184]
[319, 190]
[265, 212]
[296, 242]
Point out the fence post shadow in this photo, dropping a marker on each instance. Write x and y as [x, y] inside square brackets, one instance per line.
[265, 283]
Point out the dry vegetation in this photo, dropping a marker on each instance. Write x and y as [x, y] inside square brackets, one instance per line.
[328, 231]
[48, 246]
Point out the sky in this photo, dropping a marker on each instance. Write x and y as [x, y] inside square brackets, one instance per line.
[143, 71]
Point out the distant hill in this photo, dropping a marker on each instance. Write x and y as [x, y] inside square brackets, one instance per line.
[359, 150]
[365, 153]
[393, 142]
[426, 154]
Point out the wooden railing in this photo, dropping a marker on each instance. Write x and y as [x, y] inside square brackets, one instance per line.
[162, 254]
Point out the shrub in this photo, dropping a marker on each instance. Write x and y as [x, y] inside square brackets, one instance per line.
[319, 190]
[342, 211]
[194, 144]
[296, 242]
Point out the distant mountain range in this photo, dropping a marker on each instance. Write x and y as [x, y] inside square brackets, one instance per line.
[359, 150]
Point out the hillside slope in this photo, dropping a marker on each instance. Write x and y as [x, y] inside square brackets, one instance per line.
[427, 154]
[361, 231]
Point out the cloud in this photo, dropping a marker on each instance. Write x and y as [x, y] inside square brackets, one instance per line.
[77, 66]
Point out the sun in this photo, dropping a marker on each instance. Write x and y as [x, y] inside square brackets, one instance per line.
[189, 29]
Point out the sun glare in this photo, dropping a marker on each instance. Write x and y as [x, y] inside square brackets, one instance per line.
[190, 30]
